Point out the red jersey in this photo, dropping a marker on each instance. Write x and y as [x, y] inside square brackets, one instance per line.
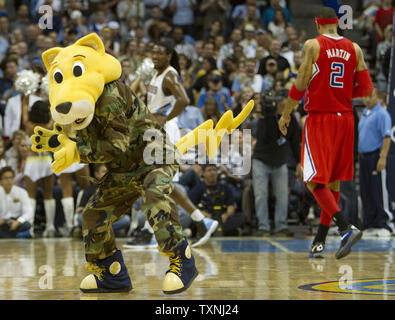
[332, 80]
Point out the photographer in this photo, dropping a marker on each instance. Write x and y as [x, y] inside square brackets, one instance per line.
[269, 162]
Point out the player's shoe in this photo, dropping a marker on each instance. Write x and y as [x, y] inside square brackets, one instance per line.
[182, 270]
[109, 275]
[144, 240]
[205, 229]
[349, 237]
[317, 250]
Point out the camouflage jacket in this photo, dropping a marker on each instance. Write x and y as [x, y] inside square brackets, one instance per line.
[115, 135]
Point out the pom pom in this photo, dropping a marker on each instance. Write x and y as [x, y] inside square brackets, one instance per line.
[27, 82]
[44, 86]
[146, 70]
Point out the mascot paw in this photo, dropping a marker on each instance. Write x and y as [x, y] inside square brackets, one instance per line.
[66, 155]
[47, 140]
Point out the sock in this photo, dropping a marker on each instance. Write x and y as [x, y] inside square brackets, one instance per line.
[68, 210]
[325, 218]
[197, 215]
[33, 203]
[148, 226]
[50, 207]
[321, 233]
[341, 221]
[326, 200]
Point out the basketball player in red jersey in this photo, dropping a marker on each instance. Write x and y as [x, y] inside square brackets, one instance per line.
[333, 72]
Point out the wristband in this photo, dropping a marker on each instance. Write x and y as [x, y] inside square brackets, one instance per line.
[296, 94]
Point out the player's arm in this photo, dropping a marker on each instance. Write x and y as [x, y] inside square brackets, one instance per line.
[172, 84]
[310, 53]
[363, 83]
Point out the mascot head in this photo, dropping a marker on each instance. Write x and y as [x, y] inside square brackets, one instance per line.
[77, 75]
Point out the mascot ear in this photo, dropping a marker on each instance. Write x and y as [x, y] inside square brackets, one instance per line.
[93, 41]
[49, 56]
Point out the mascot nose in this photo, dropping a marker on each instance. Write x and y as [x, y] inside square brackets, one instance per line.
[63, 107]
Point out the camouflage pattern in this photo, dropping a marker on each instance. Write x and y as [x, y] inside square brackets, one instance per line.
[115, 137]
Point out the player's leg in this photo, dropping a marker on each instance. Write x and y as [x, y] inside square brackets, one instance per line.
[162, 214]
[205, 226]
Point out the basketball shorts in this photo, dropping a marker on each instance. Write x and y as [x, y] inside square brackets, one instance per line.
[328, 147]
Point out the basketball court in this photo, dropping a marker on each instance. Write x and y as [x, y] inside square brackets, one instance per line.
[247, 268]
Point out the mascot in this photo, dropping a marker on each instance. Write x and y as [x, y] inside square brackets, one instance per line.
[98, 119]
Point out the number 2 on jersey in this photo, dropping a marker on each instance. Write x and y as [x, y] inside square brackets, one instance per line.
[336, 77]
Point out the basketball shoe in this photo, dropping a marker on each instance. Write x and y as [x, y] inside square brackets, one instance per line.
[205, 229]
[349, 237]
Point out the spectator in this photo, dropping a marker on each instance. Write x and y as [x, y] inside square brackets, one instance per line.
[215, 29]
[181, 46]
[384, 17]
[252, 17]
[127, 9]
[131, 55]
[16, 212]
[10, 69]
[211, 111]
[5, 39]
[374, 143]
[112, 46]
[215, 200]
[3, 160]
[381, 50]
[269, 164]
[270, 77]
[253, 80]
[240, 12]
[213, 10]
[278, 26]
[121, 226]
[100, 21]
[227, 49]
[274, 53]
[183, 14]
[156, 15]
[208, 65]
[269, 13]
[23, 19]
[249, 41]
[218, 91]
[291, 73]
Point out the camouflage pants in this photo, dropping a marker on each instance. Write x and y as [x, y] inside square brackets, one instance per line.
[115, 196]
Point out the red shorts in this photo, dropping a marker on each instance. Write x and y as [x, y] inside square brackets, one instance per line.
[328, 147]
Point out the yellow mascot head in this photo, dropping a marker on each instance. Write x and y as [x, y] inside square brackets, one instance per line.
[77, 75]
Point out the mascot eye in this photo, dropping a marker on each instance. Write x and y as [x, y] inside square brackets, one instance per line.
[78, 69]
[58, 76]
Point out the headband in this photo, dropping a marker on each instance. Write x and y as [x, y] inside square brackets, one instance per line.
[326, 21]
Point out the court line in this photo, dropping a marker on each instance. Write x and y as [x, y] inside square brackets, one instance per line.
[278, 245]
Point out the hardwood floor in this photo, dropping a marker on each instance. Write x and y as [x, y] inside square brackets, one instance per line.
[229, 269]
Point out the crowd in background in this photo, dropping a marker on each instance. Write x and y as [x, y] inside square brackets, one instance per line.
[229, 52]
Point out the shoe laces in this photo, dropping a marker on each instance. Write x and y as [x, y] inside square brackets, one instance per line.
[175, 265]
[96, 270]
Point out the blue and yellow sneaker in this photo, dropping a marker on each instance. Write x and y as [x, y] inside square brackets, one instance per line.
[109, 275]
[349, 237]
[182, 270]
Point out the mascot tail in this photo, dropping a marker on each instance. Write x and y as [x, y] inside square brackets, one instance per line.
[210, 136]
